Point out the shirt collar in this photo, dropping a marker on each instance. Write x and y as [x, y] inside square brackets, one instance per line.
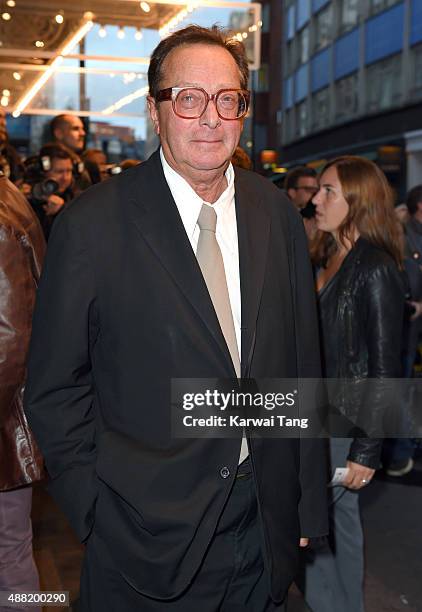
[188, 201]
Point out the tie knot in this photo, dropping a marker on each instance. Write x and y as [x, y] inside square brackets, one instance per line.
[207, 219]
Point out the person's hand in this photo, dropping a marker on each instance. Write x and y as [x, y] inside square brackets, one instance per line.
[303, 542]
[418, 310]
[25, 188]
[358, 475]
[53, 205]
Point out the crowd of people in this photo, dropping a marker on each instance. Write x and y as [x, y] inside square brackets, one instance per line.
[189, 266]
[61, 170]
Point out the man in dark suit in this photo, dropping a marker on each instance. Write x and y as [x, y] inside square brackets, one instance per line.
[180, 267]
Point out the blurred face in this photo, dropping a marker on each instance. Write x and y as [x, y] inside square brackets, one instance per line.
[71, 133]
[199, 147]
[61, 171]
[306, 188]
[331, 206]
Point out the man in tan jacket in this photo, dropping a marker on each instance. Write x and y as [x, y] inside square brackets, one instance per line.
[21, 254]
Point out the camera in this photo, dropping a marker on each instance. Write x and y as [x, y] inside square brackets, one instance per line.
[34, 175]
[44, 189]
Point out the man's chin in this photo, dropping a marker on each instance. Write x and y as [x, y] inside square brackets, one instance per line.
[210, 161]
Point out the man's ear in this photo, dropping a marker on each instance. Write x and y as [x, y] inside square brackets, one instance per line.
[153, 113]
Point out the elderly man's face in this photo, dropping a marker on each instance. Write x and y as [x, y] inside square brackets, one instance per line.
[197, 147]
[71, 133]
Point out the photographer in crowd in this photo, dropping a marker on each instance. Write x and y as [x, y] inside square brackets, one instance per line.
[51, 175]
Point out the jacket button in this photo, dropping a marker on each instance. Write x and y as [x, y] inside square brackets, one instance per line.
[224, 472]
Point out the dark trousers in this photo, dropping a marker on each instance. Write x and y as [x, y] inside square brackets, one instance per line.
[232, 577]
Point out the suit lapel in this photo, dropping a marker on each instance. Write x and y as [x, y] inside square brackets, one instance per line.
[253, 225]
[157, 219]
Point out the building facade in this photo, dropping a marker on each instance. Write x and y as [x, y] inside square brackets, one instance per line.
[350, 74]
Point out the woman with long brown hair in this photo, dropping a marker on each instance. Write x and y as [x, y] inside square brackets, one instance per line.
[357, 252]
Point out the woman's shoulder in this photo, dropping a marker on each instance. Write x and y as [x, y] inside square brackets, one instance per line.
[375, 268]
[371, 257]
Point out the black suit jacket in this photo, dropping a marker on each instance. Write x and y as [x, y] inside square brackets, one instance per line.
[122, 309]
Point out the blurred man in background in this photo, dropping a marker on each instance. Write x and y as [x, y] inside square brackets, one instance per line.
[301, 184]
[70, 131]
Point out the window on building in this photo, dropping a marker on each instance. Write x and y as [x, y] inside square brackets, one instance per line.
[290, 57]
[301, 119]
[290, 22]
[304, 45]
[375, 6]
[289, 125]
[416, 90]
[383, 84]
[303, 13]
[323, 28]
[348, 14]
[346, 97]
[321, 109]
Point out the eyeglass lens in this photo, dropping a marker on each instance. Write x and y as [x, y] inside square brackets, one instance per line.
[191, 102]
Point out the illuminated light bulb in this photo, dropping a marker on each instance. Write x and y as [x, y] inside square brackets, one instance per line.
[6, 92]
[59, 18]
[39, 44]
[245, 35]
[16, 114]
[11, 3]
[239, 37]
[102, 32]
[120, 33]
[145, 7]
[260, 23]
[17, 76]
[4, 101]
[6, 16]
[138, 35]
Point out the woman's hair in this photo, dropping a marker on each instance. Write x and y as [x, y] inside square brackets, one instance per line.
[371, 210]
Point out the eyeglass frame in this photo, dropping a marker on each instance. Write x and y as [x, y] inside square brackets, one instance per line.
[307, 188]
[171, 93]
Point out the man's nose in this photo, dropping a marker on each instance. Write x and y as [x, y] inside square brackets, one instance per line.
[210, 116]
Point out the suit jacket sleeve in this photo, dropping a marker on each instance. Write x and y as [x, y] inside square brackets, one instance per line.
[313, 513]
[59, 398]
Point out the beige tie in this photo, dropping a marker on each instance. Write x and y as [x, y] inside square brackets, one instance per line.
[211, 263]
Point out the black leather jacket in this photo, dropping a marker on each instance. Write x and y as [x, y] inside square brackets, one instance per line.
[361, 317]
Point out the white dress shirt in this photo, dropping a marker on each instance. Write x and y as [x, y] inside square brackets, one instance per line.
[189, 205]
